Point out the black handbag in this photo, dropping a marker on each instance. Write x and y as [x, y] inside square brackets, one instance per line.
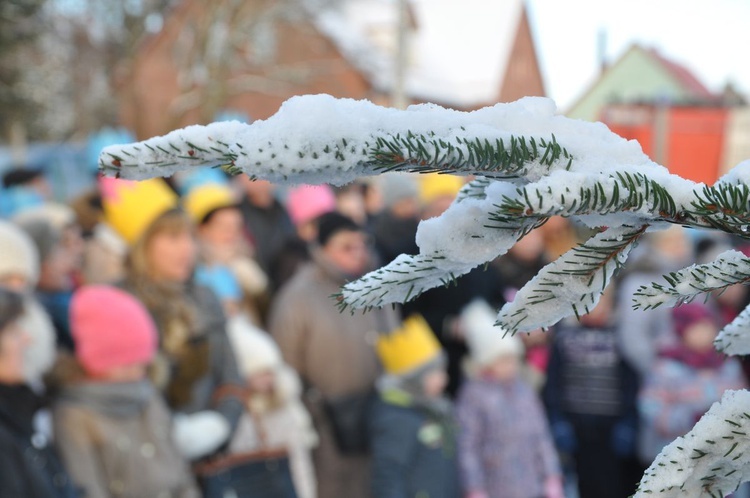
[253, 475]
[264, 473]
[348, 416]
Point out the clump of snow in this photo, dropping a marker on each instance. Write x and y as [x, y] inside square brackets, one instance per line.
[739, 175]
[711, 460]
[734, 339]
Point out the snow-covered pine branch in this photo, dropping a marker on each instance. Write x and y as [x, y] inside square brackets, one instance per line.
[726, 205]
[318, 139]
[711, 460]
[577, 194]
[574, 281]
[729, 268]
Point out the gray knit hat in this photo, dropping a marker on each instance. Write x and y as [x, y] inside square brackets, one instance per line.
[45, 225]
[18, 254]
[395, 187]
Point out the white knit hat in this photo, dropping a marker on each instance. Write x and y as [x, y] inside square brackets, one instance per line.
[255, 349]
[60, 216]
[486, 341]
[18, 254]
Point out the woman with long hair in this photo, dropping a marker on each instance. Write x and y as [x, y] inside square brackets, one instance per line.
[195, 366]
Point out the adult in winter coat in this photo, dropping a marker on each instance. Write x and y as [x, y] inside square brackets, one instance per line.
[590, 397]
[304, 205]
[113, 428]
[395, 227]
[222, 243]
[195, 367]
[19, 272]
[29, 466]
[333, 352]
[57, 237]
[641, 334]
[266, 221]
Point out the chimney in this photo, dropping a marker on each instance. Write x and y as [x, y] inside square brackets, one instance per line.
[601, 49]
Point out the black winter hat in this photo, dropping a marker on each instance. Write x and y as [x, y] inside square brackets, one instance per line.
[329, 224]
[20, 176]
[11, 307]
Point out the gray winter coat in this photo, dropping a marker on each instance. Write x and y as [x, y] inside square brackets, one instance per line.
[115, 440]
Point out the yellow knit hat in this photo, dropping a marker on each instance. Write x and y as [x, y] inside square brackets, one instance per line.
[434, 185]
[131, 207]
[408, 347]
[202, 200]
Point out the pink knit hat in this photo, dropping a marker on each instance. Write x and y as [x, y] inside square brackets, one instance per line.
[685, 315]
[307, 202]
[111, 328]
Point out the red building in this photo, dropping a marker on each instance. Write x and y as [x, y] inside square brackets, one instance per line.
[249, 57]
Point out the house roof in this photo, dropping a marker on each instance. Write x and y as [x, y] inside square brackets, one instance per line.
[682, 75]
[462, 49]
[679, 74]
[458, 53]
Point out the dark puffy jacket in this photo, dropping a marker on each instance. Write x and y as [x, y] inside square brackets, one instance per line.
[29, 465]
[414, 454]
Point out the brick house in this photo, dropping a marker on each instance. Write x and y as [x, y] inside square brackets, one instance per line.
[249, 57]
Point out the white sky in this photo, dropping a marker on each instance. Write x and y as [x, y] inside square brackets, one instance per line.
[711, 38]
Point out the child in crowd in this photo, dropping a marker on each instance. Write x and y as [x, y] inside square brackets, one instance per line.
[590, 397]
[412, 428]
[223, 246]
[505, 448]
[113, 428]
[275, 418]
[686, 380]
[29, 465]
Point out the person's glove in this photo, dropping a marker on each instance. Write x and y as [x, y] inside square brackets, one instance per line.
[553, 487]
[199, 434]
[623, 439]
[564, 436]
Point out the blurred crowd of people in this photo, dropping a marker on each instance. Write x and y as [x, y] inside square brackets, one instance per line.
[179, 338]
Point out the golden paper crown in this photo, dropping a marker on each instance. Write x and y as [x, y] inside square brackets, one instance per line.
[408, 347]
[436, 185]
[131, 207]
[202, 200]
